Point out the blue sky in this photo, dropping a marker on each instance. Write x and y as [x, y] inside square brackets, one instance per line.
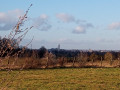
[74, 24]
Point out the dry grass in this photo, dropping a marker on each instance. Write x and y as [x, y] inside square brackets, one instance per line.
[31, 62]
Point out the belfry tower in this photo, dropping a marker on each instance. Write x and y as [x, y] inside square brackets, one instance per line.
[58, 47]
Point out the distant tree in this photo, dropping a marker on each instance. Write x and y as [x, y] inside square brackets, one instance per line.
[34, 54]
[42, 51]
[7, 46]
[108, 57]
[93, 57]
[82, 58]
[118, 56]
[51, 59]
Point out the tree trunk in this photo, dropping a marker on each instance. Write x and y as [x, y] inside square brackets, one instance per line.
[47, 62]
[111, 61]
[101, 62]
[119, 62]
[73, 61]
[92, 62]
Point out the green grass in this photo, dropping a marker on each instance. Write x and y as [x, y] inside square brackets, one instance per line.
[64, 79]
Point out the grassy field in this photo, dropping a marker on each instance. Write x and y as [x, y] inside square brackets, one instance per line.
[63, 79]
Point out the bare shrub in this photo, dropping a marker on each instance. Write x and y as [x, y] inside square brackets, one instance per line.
[82, 59]
[61, 61]
[10, 43]
[109, 57]
[50, 59]
[31, 63]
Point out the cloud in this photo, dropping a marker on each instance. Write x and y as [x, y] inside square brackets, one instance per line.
[9, 19]
[114, 26]
[82, 28]
[79, 29]
[65, 17]
[82, 25]
[42, 23]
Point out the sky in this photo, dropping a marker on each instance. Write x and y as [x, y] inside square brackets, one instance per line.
[74, 24]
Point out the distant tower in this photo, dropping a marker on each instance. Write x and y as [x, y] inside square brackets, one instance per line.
[58, 47]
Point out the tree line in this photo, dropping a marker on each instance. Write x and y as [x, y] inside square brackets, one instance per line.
[53, 56]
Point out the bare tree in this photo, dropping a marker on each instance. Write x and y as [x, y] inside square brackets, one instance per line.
[108, 57]
[82, 58]
[93, 57]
